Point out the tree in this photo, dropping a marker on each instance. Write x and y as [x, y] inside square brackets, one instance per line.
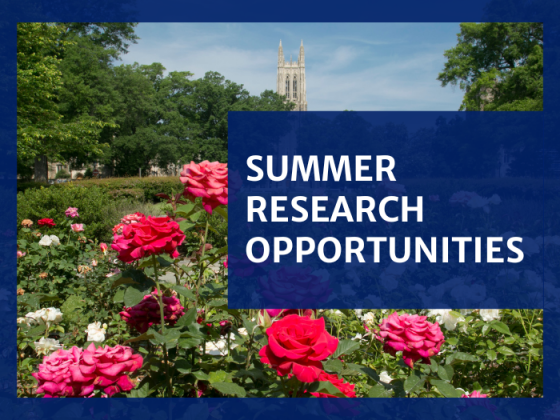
[498, 65]
[42, 134]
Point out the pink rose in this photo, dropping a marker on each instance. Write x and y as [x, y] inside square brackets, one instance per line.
[72, 212]
[111, 366]
[149, 236]
[55, 374]
[208, 180]
[474, 394]
[411, 334]
[132, 218]
[103, 247]
[20, 254]
[78, 227]
[226, 263]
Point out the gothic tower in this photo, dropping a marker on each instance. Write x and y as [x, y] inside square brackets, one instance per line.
[291, 78]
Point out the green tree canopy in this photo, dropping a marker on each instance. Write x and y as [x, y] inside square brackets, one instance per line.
[498, 65]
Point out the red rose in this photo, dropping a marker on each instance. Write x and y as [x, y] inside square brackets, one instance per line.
[411, 334]
[208, 180]
[344, 387]
[46, 222]
[149, 236]
[298, 344]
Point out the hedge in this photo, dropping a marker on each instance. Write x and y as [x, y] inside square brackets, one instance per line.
[97, 200]
[140, 188]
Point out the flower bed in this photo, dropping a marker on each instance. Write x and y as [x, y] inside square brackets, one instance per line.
[104, 320]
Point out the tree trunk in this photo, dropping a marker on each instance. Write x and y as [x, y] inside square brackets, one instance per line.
[41, 169]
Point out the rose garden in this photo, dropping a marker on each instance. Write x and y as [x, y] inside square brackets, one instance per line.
[146, 315]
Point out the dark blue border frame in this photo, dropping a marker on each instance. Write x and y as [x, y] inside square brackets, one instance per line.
[11, 12]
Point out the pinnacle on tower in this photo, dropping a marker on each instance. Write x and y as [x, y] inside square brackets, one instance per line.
[280, 55]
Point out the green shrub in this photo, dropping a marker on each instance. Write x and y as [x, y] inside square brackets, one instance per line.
[63, 174]
[51, 202]
[25, 185]
[88, 173]
[98, 208]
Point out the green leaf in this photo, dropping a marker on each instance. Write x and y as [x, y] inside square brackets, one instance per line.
[452, 341]
[134, 295]
[36, 331]
[183, 291]
[491, 354]
[189, 343]
[185, 225]
[217, 376]
[141, 392]
[148, 335]
[364, 370]
[214, 303]
[164, 261]
[229, 388]
[119, 296]
[346, 347]
[379, 391]
[326, 387]
[460, 356]
[222, 212]
[447, 390]
[332, 365]
[506, 351]
[414, 381]
[500, 327]
[169, 338]
[186, 208]
[445, 372]
[200, 375]
[183, 366]
[187, 319]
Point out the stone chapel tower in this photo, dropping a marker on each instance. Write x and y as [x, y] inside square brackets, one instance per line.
[291, 79]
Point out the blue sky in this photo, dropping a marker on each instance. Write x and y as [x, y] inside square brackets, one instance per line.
[357, 66]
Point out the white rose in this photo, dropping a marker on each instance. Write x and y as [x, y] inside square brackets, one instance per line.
[489, 314]
[45, 241]
[96, 332]
[358, 313]
[385, 378]
[357, 337]
[219, 348]
[369, 318]
[55, 240]
[46, 346]
[242, 331]
[446, 317]
[51, 316]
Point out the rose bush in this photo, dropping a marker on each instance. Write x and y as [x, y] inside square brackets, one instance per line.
[184, 341]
